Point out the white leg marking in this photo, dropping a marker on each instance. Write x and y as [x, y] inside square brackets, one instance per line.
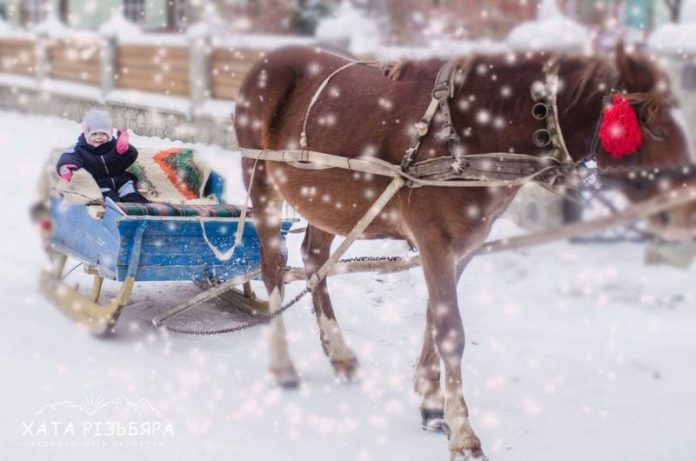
[280, 358]
[335, 345]
[462, 436]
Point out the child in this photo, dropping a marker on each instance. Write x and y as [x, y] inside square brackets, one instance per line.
[105, 153]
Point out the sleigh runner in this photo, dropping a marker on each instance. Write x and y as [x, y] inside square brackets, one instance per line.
[188, 233]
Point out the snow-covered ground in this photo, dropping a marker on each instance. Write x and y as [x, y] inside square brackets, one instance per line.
[574, 353]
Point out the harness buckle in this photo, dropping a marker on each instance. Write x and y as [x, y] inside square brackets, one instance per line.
[442, 91]
[421, 127]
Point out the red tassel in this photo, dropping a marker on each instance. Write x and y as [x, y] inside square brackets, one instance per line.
[620, 131]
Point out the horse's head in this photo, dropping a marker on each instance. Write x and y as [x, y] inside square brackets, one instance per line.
[663, 152]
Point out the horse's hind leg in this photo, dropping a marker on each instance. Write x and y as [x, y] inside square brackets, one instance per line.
[267, 218]
[316, 249]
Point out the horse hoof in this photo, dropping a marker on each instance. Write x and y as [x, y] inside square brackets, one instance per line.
[433, 420]
[346, 371]
[286, 378]
[468, 455]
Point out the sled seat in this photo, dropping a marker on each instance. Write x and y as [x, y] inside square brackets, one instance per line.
[165, 209]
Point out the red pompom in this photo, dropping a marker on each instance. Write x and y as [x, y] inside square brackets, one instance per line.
[620, 131]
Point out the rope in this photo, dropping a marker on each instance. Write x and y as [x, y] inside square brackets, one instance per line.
[218, 254]
[238, 241]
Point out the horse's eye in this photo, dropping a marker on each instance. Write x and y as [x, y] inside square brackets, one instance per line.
[656, 133]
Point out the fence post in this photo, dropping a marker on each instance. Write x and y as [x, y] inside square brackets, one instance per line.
[109, 63]
[42, 61]
[199, 69]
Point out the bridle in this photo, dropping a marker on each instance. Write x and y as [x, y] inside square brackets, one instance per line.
[493, 166]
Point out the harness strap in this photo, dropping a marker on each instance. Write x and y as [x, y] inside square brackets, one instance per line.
[552, 121]
[303, 135]
[443, 91]
[375, 209]
[470, 176]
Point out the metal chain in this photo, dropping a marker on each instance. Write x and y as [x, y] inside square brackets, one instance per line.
[244, 326]
[263, 318]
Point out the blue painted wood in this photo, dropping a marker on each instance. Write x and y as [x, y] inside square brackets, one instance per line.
[170, 248]
[93, 241]
[135, 252]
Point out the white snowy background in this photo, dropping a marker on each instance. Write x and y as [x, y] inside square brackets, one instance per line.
[573, 352]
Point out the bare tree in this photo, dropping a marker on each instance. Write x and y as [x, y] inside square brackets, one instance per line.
[674, 7]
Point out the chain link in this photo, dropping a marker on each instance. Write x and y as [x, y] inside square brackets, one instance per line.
[263, 318]
[244, 326]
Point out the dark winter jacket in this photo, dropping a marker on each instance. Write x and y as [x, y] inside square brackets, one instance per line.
[106, 166]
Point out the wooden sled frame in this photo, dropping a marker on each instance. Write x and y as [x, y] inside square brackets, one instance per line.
[98, 319]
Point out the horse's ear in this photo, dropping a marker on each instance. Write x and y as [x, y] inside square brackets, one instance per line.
[636, 73]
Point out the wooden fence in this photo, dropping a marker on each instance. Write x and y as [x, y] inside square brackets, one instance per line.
[156, 69]
[169, 69]
[18, 56]
[74, 60]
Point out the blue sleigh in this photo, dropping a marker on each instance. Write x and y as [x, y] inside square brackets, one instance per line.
[188, 234]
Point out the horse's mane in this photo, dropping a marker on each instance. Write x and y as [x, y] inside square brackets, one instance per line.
[594, 76]
[409, 69]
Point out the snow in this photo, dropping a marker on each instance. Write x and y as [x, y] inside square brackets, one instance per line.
[218, 108]
[441, 48]
[574, 352]
[674, 39]
[260, 42]
[151, 39]
[118, 26]
[7, 31]
[72, 89]
[352, 26]
[150, 100]
[18, 81]
[551, 30]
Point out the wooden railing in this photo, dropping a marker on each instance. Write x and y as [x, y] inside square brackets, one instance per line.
[18, 56]
[156, 69]
[228, 68]
[188, 67]
[74, 60]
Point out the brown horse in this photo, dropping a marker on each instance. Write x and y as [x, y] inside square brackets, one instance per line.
[365, 111]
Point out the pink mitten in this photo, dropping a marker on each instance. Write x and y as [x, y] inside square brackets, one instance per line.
[66, 171]
[122, 143]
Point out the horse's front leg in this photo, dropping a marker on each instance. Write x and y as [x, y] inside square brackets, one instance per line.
[426, 381]
[441, 274]
[427, 375]
[316, 249]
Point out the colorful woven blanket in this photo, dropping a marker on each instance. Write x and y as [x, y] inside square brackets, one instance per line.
[173, 175]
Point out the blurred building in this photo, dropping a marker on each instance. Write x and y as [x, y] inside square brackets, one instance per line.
[401, 21]
[170, 15]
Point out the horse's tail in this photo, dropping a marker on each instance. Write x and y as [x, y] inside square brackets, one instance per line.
[260, 102]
